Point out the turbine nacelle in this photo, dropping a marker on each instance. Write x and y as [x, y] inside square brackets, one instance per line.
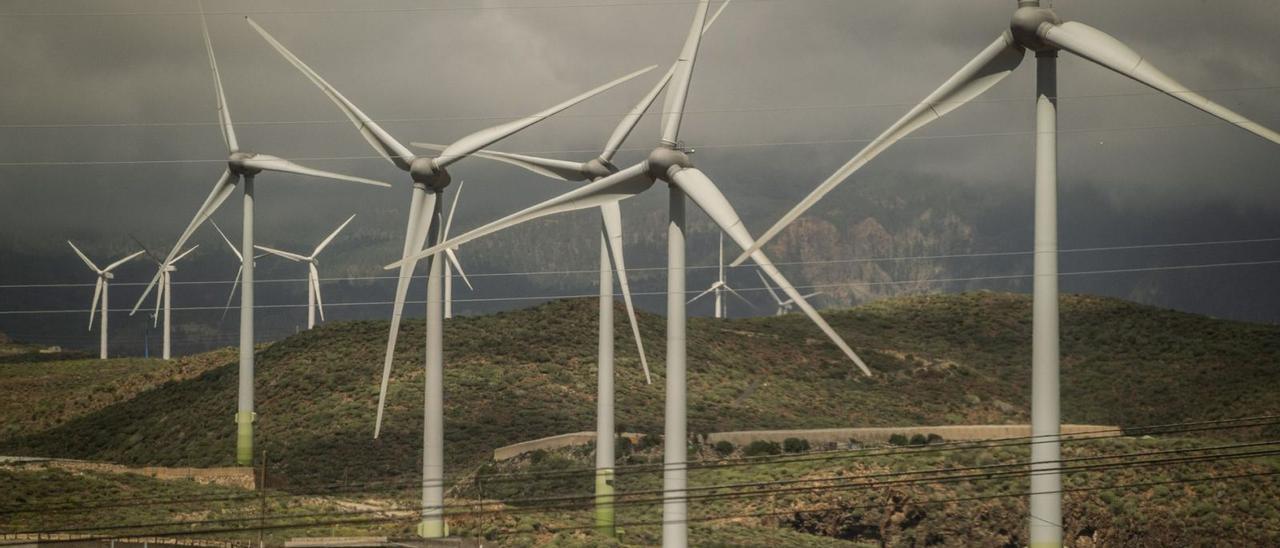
[237, 163]
[1027, 21]
[598, 168]
[664, 162]
[107, 276]
[428, 172]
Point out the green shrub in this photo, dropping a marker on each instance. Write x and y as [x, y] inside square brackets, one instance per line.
[919, 439]
[934, 438]
[795, 445]
[760, 448]
[897, 439]
[724, 448]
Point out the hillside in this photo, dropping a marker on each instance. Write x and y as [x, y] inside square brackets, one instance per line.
[953, 359]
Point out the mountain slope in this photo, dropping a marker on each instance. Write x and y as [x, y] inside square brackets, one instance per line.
[520, 375]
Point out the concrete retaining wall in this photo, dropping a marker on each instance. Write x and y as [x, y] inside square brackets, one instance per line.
[242, 477]
[823, 435]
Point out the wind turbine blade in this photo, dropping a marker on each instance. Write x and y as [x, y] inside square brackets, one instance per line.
[97, 292]
[326, 241]
[772, 293]
[739, 295]
[683, 76]
[273, 163]
[1105, 50]
[485, 137]
[550, 168]
[315, 286]
[382, 142]
[86, 260]
[147, 291]
[155, 316]
[291, 256]
[221, 191]
[991, 66]
[703, 192]
[621, 185]
[701, 295]
[184, 254]
[224, 113]
[421, 210]
[113, 266]
[228, 240]
[453, 260]
[814, 294]
[232, 294]
[611, 219]
[448, 221]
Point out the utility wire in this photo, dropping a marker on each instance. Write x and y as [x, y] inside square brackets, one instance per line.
[1214, 123]
[694, 291]
[989, 254]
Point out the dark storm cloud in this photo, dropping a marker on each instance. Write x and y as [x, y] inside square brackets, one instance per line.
[763, 65]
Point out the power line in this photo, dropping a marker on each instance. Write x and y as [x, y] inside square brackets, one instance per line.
[812, 142]
[690, 292]
[337, 11]
[608, 115]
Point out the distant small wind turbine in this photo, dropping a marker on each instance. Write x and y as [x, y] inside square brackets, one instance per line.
[1040, 30]
[100, 293]
[430, 176]
[313, 273]
[239, 268]
[721, 286]
[784, 306]
[164, 292]
[453, 263]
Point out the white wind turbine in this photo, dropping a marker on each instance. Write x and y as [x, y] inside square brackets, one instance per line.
[721, 286]
[430, 177]
[1040, 30]
[669, 163]
[453, 263]
[784, 306]
[100, 293]
[313, 273]
[244, 165]
[164, 293]
[239, 268]
[612, 259]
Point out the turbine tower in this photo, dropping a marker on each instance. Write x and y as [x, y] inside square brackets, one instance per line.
[721, 286]
[1040, 30]
[430, 177]
[669, 163]
[244, 165]
[452, 263]
[100, 293]
[313, 273]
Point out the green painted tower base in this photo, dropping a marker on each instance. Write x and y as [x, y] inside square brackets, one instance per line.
[604, 502]
[244, 437]
[433, 528]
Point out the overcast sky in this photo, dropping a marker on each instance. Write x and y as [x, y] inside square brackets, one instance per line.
[822, 75]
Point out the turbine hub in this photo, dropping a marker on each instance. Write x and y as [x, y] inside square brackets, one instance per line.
[598, 169]
[425, 171]
[235, 163]
[170, 268]
[664, 162]
[108, 276]
[1027, 20]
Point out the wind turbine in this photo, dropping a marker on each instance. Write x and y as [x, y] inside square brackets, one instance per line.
[430, 177]
[164, 294]
[1038, 29]
[244, 165]
[313, 273]
[611, 259]
[239, 268]
[452, 263]
[784, 306]
[100, 293]
[721, 286]
[670, 163]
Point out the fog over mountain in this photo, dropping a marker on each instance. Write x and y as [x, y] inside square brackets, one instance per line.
[107, 129]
